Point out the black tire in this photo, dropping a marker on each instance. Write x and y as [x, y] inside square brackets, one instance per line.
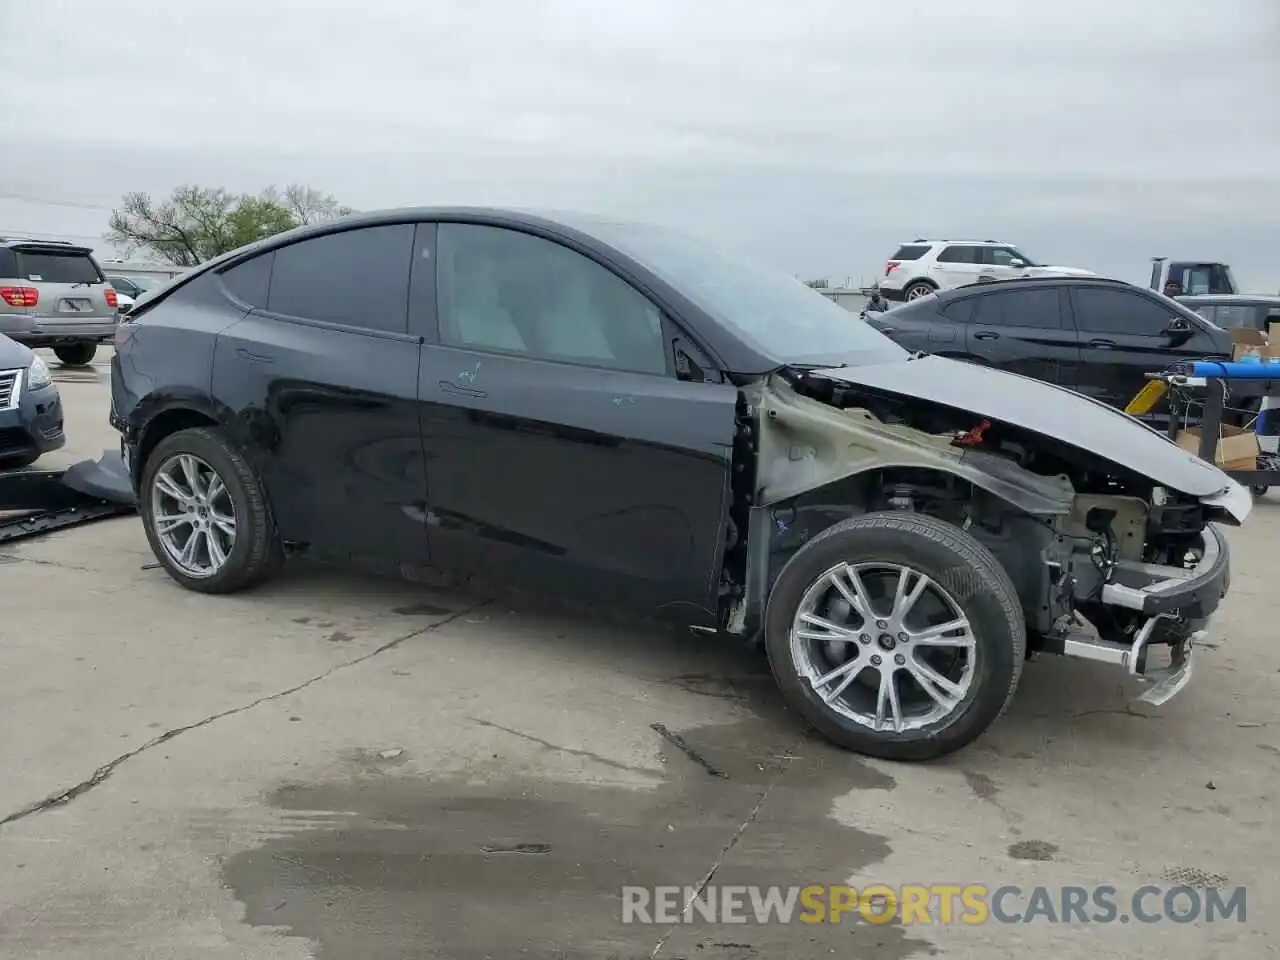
[917, 288]
[258, 552]
[75, 354]
[1259, 489]
[977, 582]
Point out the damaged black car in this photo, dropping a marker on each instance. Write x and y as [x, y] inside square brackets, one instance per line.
[581, 405]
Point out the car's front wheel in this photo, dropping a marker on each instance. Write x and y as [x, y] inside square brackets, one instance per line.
[896, 635]
[206, 513]
[75, 354]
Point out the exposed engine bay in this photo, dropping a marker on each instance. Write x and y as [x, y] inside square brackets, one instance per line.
[1081, 537]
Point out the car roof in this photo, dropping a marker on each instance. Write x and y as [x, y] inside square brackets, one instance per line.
[968, 243]
[585, 231]
[50, 246]
[972, 289]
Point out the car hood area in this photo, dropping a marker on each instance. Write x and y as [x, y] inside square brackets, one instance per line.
[13, 355]
[1054, 412]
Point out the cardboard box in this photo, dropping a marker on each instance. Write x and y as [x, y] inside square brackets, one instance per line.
[1247, 342]
[1237, 449]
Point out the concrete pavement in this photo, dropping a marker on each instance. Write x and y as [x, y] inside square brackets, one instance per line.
[344, 766]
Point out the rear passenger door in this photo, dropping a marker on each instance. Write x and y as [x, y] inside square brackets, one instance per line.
[1025, 331]
[1123, 337]
[322, 375]
[958, 265]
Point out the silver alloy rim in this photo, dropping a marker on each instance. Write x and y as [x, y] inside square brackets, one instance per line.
[884, 645]
[192, 515]
[915, 293]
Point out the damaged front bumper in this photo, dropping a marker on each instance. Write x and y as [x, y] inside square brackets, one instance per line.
[1175, 604]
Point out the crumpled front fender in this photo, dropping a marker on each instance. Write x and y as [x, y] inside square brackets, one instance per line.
[805, 444]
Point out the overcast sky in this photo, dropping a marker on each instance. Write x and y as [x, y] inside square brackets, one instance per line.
[816, 134]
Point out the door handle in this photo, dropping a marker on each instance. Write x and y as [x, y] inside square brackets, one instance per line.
[1102, 344]
[448, 386]
[252, 357]
[986, 335]
[887, 330]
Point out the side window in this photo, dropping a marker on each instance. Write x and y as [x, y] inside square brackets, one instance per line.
[8, 263]
[1001, 256]
[1228, 315]
[249, 282]
[961, 311]
[359, 278]
[1115, 311]
[504, 290]
[911, 251]
[960, 254]
[1020, 308]
[1207, 310]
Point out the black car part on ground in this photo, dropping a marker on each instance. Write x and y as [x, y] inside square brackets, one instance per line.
[41, 501]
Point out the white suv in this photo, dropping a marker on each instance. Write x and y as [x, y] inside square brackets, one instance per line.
[924, 266]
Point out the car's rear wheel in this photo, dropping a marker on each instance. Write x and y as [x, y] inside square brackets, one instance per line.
[896, 635]
[75, 354]
[917, 289]
[206, 513]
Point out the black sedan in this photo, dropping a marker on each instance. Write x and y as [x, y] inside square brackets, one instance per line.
[1097, 336]
[30, 408]
[582, 405]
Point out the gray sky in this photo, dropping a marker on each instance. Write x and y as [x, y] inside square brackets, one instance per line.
[815, 134]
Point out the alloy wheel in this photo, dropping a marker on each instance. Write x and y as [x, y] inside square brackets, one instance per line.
[192, 515]
[884, 645]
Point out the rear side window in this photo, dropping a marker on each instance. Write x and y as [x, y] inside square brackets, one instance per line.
[1020, 308]
[8, 263]
[250, 281]
[960, 311]
[1227, 315]
[911, 252]
[57, 268]
[359, 278]
[960, 254]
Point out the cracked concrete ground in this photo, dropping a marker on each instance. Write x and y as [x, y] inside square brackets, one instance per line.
[344, 766]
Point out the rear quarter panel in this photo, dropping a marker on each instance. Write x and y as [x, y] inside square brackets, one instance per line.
[164, 359]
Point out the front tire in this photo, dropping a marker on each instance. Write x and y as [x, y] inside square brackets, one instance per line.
[75, 354]
[932, 663]
[207, 515]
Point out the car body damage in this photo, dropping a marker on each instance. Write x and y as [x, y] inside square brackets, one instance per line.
[1108, 558]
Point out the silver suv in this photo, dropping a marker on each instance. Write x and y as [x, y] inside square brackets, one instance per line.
[53, 294]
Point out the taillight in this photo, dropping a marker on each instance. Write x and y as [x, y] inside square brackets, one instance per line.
[20, 296]
[891, 266]
[112, 300]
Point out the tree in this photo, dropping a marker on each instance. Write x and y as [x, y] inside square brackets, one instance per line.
[196, 224]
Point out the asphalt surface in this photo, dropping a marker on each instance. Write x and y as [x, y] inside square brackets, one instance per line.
[340, 765]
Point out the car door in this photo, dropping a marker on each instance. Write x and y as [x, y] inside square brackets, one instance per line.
[1025, 330]
[565, 447]
[958, 265]
[1123, 337]
[321, 377]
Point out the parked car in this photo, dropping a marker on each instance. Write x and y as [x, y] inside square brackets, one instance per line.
[926, 266]
[583, 405]
[53, 294]
[1099, 337]
[133, 287]
[1254, 311]
[30, 407]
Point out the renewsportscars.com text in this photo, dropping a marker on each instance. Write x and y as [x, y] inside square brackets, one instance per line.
[932, 904]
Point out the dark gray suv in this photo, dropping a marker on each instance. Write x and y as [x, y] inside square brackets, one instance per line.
[53, 294]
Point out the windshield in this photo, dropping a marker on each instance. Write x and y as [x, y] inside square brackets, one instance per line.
[1024, 258]
[777, 314]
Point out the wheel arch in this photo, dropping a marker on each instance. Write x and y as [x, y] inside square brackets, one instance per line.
[162, 418]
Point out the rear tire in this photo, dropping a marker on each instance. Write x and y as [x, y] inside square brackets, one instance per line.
[75, 354]
[256, 551]
[972, 587]
[917, 289]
